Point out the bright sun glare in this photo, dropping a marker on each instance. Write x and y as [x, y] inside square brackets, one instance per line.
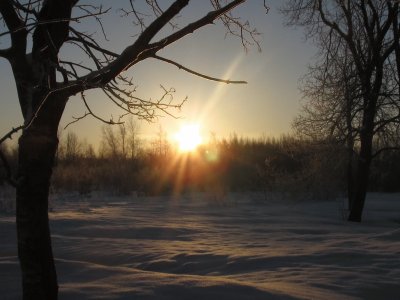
[188, 137]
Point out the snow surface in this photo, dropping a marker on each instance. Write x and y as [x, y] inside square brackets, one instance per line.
[225, 248]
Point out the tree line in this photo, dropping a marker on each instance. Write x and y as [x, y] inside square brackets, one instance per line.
[290, 165]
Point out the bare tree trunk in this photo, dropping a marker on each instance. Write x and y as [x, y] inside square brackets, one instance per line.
[37, 150]
[350, 178]
[363, 168]
[36, 155]
[360, 190]
[350, 157]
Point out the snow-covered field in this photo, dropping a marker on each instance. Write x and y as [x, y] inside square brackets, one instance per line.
[200, 247]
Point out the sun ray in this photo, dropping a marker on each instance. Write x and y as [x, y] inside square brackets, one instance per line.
[216, 95]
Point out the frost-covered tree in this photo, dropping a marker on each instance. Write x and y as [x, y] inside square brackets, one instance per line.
[357, 85]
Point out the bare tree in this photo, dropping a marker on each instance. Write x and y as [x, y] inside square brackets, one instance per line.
[37, 31]
[120, 141]
[133, 142]
[72, 147]
[369, 32]
[332, 93]
[160, 144]
[112, 145]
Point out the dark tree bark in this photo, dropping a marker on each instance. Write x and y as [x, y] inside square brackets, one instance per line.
[350, 176]
[360, 191]
[365, 155]
[42, 108]
[360, 181]
[37, 148]
[36, 153]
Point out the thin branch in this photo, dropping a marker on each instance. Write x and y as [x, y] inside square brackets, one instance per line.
[24, 8]
[140, 17]
[10, 16]
[227, 81]
[141, 49]
[73, 68]
[35, 23]
[9, 134]
[190, 28]
[111, 122]
[238, 28]
[94, 46]
[96, 15]
[77, 119]
[16, 29]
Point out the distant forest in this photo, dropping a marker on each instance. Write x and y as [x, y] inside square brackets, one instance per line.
[292, 166]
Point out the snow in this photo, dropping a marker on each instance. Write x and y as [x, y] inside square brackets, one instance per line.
[240, 246]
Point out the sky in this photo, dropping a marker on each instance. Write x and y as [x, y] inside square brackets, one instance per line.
[265, 106]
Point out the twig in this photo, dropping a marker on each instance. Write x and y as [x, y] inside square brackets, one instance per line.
[77, 119]
[10, 133]
[111, 122]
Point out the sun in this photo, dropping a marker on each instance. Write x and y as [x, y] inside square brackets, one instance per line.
[188, 137]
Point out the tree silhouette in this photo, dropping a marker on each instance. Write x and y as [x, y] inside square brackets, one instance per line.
[37, 30]
[360, 54]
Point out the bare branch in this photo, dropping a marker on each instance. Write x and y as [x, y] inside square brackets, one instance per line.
[73, 68]
[9, 134]
[16, 28]
[33, 25]
[98, 11]
[26, 8]
[140, 17]
[10, 16]
[77, 119]
[93, 45]
[141, 49]
[190, 28]
[227, 81]
[144, 109]
[238, 28]
[110, 122]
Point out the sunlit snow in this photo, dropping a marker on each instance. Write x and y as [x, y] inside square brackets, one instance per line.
[207, 247]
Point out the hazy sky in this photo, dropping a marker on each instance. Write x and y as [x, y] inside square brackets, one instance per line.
[265, 106]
